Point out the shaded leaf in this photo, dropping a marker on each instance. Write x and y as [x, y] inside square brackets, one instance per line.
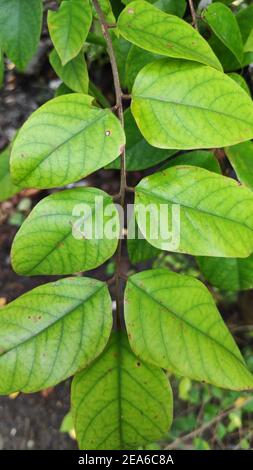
[69, 26]
[59, 236]
[119, 402]
[136, 59]
[204, 107]
[150, 28]
[172, 322]
[63, 141]
[224, 24]
[201, 158]
[241, 159]
[232, 274]
[49, 333]
[20, 28]
[213, 218]
[241, 81]
[139, 154]
[74, 74]
[7, 187]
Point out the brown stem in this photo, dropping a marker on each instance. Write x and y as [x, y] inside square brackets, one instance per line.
[119, 111]
[193, 13]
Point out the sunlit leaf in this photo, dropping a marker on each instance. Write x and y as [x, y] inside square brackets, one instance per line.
[178, 104]
[51, 332]
[62, 234]
[65, 140]
[120, 402]
[172, 322]
[198, 212]
[150, 28]
[69, 26]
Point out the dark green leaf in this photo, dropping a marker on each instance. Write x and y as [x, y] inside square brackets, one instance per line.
[232, 274]
[139, 154]
[7, 187]
[201, 158]
[74, 74]
[20, 27]
[241, 158]
[224, 24]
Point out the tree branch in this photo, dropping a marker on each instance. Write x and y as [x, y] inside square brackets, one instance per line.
[119, 111]
[193, 13]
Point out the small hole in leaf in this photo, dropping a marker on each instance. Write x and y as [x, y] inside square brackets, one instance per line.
[107, 133]
[138, 364]
[130, 11]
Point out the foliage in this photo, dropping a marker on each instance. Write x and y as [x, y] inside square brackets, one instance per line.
[181, 99]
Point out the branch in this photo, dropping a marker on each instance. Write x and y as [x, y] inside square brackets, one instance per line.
[119, 109]
[193, 13]
[205, 426]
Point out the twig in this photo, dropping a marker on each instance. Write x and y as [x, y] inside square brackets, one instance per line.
[119, 110]
[201, 429]
[193, 13]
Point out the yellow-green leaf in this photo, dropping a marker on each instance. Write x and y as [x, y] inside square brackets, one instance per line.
[150, 28]
[182, 105]
[172, 322]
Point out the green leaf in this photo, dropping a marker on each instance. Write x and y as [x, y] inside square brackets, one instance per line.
[7, 188]
[232, 274]
[174, 7]
[227, 2]
[66, 233]
[121, 49]
[224, 24]
[178, 104]
[212, 213]
[74, 74]
[62, 90]
[172, 322]
[63, 141]
[245, 20]
[227, 59]
[139, 154]
[248, 47]
[201, 158]
[120, 402]
[136, 59]
[241, 159]
[139, 250]
[51, 332]
[20, 28]
[240, 81]
[69, 26]
[149, 28]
